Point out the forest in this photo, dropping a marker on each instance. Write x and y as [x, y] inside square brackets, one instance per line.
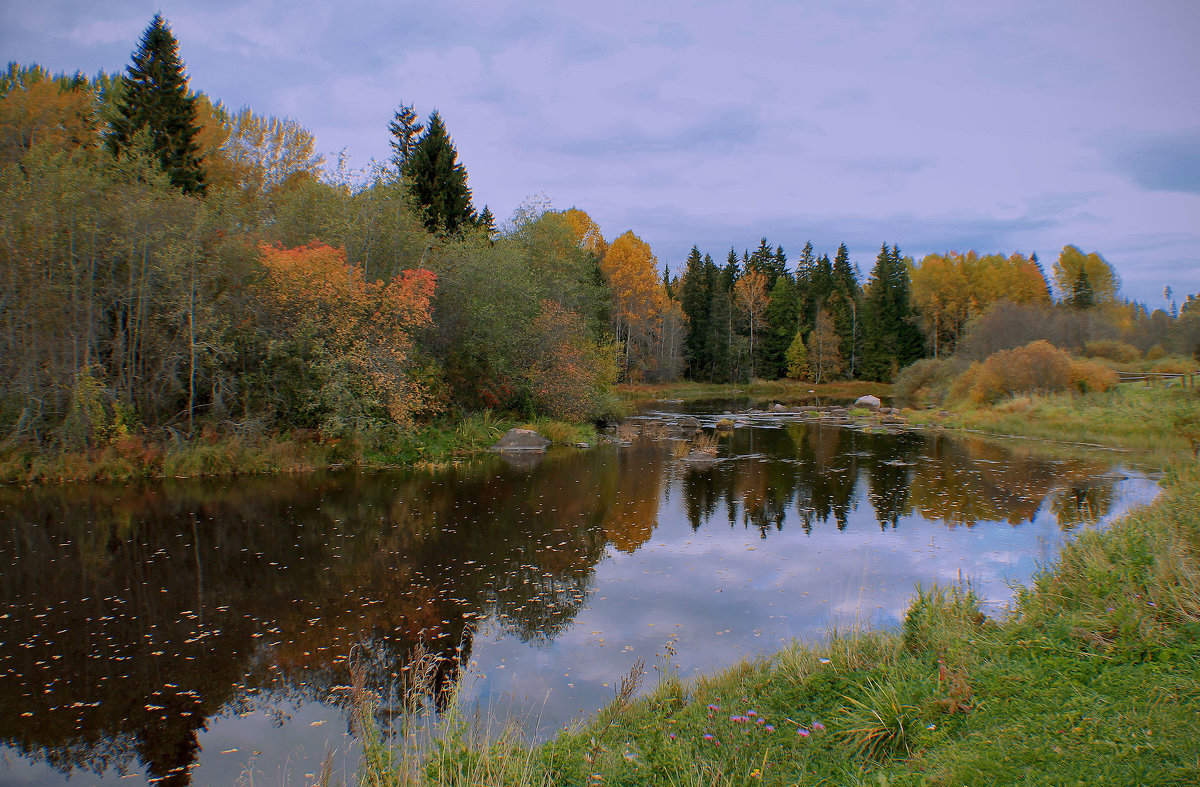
[169, 265]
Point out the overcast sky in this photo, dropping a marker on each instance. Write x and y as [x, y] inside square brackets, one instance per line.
[1021, 125]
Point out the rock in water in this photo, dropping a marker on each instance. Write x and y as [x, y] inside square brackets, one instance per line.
[868, 401]
[521, 440]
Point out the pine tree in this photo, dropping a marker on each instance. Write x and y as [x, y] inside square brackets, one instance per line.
[437, 181]
[155, 98]
[406, 130]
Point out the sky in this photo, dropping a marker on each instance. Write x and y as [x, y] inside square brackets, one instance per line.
[1015, 126]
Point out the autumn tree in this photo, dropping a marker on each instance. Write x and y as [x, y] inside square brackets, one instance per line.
[38, 109]
[154, 99]
[252, 159]
[824, 355]
[1074, 270]
[354, 339]
[752, 297]
[631, 270]
[570, 373]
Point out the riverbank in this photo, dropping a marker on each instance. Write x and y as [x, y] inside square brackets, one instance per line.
[1091, 678]
[1160, 421]
[216, 453]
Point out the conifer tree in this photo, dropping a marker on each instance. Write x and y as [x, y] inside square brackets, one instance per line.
[891, 338]
[154, 97]
[437, 181]
[782, 319]
[843, 304]
[695, 297]
[406, 130]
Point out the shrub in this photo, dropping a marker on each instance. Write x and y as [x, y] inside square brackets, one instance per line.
[1091, 376]
[1175, 364]
[926, 380]
[1155, 353]
[1112, 350]
[1038, 367]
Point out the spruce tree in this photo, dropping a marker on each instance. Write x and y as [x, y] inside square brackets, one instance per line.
[891, 339]
[1082, 296]
[782, 318]
[695, 298]
[155, 97]
[406, 130]
[843, 305]
[437, 181]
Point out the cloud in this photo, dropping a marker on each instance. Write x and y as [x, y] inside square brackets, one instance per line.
[1160, 162]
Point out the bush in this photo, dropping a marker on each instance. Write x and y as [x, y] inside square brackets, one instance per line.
[1112, 350]
[1038, 367]
[1175, 364]
[926, 380]
[1091, 376]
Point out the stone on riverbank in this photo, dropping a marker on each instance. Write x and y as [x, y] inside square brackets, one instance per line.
[521, 441]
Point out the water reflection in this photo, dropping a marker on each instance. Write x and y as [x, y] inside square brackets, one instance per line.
[135, 619]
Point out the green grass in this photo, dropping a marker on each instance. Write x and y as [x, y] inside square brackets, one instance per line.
[1163, 421]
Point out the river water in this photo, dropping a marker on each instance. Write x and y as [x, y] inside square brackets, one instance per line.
[202, 631]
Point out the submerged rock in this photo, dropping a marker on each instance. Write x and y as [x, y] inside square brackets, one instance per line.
[521, 441]
[690, 424]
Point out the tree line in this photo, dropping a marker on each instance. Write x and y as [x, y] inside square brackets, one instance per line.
[171, 265]
[756, 317]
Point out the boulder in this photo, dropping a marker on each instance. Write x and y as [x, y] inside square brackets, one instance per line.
[690, 424]
[868, 401]
[521, 441]
[778, 408]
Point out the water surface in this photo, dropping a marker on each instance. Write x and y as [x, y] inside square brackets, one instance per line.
[202, 631]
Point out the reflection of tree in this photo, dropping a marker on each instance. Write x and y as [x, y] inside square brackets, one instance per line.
[1082, 502]
[962, 482]
[148, 611]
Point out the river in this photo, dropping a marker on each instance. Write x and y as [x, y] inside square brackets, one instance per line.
[202, 631]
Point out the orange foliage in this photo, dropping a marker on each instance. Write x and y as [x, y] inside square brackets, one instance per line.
[363, 326]
[571, 372]
[38, 112]
[951, 288]
[586, 231]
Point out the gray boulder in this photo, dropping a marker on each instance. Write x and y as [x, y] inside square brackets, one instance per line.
[521, 441]
[868, 401]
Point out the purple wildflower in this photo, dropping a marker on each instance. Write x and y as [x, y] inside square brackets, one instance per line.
[803, 733]
[818, 725]
[769, 728]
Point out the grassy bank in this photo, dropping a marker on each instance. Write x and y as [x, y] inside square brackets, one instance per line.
[1092, 678]
[1160, 420]
[298, 451]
